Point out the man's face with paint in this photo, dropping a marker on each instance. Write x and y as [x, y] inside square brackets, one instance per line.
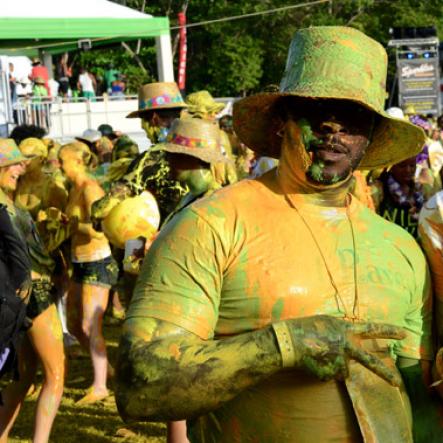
[156, 124]
[9, 176]
[340, 135]
[190, 171]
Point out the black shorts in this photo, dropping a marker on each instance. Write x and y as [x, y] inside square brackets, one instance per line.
[63, 86]
[97, 273]
[42, 296]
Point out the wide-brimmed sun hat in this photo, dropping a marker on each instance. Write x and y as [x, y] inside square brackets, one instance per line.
[331, 63]
[202, 103]
[33, 147]
[9, 153]
[195, 137]
[154, 96]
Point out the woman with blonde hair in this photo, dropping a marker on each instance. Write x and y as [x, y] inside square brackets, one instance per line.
[94, 269]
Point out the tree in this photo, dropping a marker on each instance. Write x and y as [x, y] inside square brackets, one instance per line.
[243, 56]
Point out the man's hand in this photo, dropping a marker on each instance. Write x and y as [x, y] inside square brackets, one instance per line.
[323, 346]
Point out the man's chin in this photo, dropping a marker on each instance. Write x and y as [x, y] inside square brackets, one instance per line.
[321, 177]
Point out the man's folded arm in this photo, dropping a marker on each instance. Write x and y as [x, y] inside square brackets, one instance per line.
[167, 373]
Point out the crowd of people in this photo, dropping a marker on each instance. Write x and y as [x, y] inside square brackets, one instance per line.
[39, 84]
[267, 266]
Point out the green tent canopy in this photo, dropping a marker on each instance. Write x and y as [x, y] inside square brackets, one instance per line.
[28, 27]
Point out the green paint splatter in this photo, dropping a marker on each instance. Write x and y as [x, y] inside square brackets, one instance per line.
[307, 134]
[316, 171]
[335, 179]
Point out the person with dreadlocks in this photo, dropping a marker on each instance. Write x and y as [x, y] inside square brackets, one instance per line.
[159, 104]
[147, 175]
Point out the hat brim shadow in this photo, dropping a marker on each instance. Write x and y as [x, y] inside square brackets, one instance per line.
[209, 156]
[256, 123]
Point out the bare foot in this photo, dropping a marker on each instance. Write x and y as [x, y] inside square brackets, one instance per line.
[92, 396]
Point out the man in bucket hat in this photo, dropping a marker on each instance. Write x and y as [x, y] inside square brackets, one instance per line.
[276, 309]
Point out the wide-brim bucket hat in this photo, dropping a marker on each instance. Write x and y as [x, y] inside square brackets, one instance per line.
[196, 137]
[9, 153]
[331, 63]
[154, 96]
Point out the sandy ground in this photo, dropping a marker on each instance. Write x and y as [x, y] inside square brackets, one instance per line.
[96, 423]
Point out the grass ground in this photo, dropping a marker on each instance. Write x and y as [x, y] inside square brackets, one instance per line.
[95, 423]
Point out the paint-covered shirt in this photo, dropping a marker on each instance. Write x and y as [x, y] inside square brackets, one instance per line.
[243, 258]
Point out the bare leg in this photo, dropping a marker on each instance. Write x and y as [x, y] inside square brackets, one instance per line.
[15, 392]
[74, 314]
[118, 311]
[46, 337]
[94, 300]
[177, 432]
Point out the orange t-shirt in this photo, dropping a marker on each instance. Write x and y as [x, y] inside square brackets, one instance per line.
[243, 258]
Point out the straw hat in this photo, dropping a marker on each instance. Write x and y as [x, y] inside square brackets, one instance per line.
[33, 147]
[9, 153]
[202, 103]
[162, 95]
[331, 62]
[196, 137]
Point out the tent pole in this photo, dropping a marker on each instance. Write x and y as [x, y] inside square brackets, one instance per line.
[47, 61]
[165, 67]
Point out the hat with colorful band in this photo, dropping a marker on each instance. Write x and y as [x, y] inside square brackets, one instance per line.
[195, 137]
[331, 63]
[9, 153]
[153, 96]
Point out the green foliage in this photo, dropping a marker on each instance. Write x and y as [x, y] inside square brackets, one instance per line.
[239, 66]
[243, 56]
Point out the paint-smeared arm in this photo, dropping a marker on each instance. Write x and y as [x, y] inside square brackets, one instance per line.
[167, 373]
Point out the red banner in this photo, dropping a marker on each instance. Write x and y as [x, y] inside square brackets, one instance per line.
[182, 52]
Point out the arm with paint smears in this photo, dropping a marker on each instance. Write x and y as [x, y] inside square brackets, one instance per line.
[167, 373]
